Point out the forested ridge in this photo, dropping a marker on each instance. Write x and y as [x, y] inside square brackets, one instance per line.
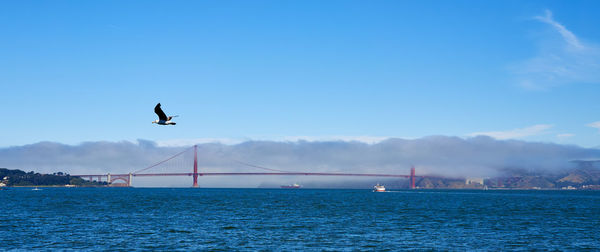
[21, 178]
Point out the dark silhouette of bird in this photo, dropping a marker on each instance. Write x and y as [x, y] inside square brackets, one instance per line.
[162, 117]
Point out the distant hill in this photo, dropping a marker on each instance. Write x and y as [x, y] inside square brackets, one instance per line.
[581, 176]
[586, 174]
[20, 178]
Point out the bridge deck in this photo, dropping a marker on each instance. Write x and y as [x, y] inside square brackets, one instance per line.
[253, 173]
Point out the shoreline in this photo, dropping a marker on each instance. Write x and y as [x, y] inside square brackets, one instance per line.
[401, 189]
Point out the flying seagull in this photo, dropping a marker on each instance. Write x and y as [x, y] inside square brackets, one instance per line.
[162, 118]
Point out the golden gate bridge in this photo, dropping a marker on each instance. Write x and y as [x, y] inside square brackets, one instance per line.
[127, 178]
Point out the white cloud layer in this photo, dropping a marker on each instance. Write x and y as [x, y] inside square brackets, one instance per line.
[450, 156]
[565, 135]
[564, 59]
[363, 139]
[567, 35]
[594, 125]
[192, 141]
[515, 133]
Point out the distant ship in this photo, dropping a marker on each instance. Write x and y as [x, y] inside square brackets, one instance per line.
[378, 188]
[294, 186]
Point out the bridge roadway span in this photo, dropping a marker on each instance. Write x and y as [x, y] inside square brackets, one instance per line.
[128, 177]
[251, 173]
[195, 174]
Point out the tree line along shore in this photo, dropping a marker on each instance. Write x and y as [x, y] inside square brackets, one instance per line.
[18, 178]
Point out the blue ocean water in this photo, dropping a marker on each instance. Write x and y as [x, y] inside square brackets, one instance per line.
[277, 219]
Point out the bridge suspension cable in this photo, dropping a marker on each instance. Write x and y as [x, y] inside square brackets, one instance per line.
[252, 165]
[182, 162]
[161, 162]
[260, 167]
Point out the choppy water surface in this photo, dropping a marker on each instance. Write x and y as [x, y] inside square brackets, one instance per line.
[250, 219]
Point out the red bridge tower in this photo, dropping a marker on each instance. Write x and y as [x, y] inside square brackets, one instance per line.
[412, 177]
[195, 166]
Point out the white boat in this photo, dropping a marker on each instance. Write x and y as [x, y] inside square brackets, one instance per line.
[36, 189]
[378, 188]
[294, 186]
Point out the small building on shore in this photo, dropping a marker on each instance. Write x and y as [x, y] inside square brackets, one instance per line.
[474, 181]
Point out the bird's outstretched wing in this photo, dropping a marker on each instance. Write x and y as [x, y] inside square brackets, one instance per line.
[160, 113]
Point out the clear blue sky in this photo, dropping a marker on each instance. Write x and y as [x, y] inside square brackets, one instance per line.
[74, 71]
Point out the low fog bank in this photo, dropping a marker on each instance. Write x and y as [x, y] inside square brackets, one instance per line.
[435, 155]
[85, 158]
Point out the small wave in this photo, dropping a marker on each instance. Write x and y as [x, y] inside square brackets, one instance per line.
[178, 231]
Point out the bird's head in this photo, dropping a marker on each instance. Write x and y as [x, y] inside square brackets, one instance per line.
[155, 121]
